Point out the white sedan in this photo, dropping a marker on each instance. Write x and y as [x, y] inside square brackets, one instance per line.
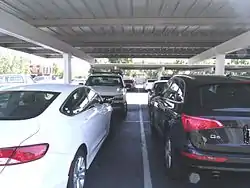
[50, 134]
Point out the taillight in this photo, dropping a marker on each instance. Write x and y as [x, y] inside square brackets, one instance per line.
[22, 154]
[204, 157]
[191, 123]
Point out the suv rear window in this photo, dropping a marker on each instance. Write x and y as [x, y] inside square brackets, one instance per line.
[222, 96]
[104, 81]
[129, 81]
[20, 105]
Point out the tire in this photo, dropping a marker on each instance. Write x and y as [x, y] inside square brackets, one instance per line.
[78, 175]
[152, 124]
[175, 168]
[124, 111]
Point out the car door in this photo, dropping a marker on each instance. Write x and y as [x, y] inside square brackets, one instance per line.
[103, 113]
[161, 106]
[174, 102]
[84, 117]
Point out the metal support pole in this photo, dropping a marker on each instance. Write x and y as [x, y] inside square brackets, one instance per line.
[220, 64]
[67, 73]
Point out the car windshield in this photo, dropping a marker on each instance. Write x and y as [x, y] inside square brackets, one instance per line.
[224, 96]
[152, 80]
[128, 81]
[19, 105]
[104, 81]
[11, 79]
[165, 78]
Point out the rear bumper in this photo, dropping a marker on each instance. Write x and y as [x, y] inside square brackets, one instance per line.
[233, 162]
[50, 171]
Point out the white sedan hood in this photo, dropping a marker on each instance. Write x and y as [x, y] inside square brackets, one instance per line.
[107, 90]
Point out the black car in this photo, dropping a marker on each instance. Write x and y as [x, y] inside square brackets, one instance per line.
[204, 122]
[165, 77]
[130, 84]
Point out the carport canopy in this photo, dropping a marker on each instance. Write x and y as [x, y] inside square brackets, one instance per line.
[89, 29]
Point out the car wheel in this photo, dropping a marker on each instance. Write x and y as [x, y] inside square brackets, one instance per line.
[152, 123]
[124, 111]
[78, 170]
[174, 166]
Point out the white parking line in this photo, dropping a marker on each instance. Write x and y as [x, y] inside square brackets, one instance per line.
[146, 168]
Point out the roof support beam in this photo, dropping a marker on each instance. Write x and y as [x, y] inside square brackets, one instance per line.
[15, 27]
[240, 42]
[220, 64]
[136, 21]
[129, 39]
[122, 45]
[146, 38]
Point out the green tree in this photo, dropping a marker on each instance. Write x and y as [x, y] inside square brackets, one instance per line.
[13, 64]
[239, 62]
[60, 74]
[55, 69]
[120, 60]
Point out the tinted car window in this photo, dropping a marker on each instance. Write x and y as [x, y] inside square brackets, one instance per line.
[158, 87]
[151, 80]
[128, 81]
[165, 77]
[104, 81]
[221, 96]
[175, 90]
[77, 102]
[19, 105]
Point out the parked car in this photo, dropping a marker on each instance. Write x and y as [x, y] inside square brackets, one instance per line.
[165, 77]
[157, 89]
[110, 86]
[204, 123]
[15, 79]
[50, 134]
[130, 84]
[149, 84]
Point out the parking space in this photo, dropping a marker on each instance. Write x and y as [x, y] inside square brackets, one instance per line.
[121, 161]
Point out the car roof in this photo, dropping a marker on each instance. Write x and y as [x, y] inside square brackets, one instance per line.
[44, 87]
[109, 75]
[198, 80]
[161, 81]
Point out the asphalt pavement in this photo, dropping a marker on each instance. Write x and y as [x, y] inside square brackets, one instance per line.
[131, 158]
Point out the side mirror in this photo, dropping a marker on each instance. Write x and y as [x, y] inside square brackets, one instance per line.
[109, 100]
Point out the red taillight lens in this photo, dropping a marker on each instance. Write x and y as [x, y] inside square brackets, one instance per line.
[22, 154]
[191, 123]
[204, 157]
